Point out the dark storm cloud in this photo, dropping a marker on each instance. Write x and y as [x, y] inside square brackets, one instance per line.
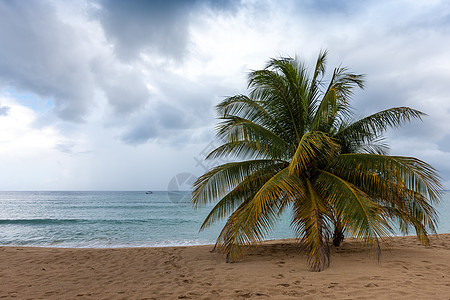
[172, 118]
[181, 108]
[178, 106]
[61, 62]
[141, 133]
[161, 26]
[158, 25]
[163, 122]
[40, 54]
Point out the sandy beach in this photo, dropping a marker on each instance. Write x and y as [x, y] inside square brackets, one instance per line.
[276, 269]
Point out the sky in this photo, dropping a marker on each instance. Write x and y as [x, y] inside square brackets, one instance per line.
[120, 95]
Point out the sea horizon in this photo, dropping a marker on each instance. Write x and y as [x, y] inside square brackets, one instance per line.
[117, 219]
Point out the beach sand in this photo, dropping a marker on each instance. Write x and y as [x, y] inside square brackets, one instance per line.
[275, 270]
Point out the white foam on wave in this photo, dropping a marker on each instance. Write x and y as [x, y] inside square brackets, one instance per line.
[106, 245]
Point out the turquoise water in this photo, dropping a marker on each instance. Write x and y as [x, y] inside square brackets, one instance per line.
[118, 219]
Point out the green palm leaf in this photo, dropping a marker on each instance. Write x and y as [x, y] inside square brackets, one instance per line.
[250, 110]
[255, 218]
[374, 125]
[242, 192]
[220, 180]
[365, 219]
[309, 221]
[312, 146]
[248, 139]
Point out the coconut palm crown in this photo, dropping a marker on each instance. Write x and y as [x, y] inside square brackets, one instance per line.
[297, 146]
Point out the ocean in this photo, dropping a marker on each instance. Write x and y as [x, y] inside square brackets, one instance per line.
[120, 219]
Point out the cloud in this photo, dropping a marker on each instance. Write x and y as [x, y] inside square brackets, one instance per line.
[64, 60]
[123, 85]
[61, 54]
[326, 7]
[166, 122]
[20, 139]
[156, 26]
[148, 73]
[45, 56]
[137, 25]
[141, 132]
[4, 110]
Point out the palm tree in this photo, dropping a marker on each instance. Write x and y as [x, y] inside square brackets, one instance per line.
[297, 146]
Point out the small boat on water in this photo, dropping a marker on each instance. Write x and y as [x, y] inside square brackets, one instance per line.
[149, 192]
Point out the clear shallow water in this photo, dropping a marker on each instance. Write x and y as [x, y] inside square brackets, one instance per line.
[118, 219]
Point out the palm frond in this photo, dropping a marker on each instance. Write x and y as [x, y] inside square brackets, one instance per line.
[343, 83]
[321, 62]
[309, 222]
[336, 97]
[326, 110]
[216, 183]
[374, 125]
[245, 190]
[247, 139]
[312, 146]
[373, 171]
[251, 110]
[364, 219]
[405, 185]
[254, 219]
[375, 146]
[273, 91]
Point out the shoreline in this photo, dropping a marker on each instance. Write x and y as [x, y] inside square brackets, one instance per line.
[275, 269]
[174, 245]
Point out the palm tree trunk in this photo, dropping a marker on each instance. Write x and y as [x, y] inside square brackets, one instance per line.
[338, 235]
